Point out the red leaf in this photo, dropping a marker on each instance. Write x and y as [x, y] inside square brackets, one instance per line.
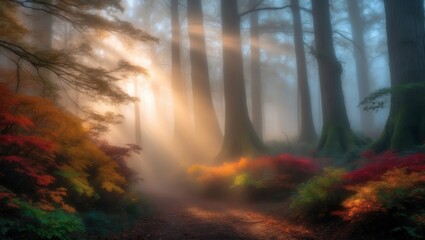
[28, 141]
[10, 119]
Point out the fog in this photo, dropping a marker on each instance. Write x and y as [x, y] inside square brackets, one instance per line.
[278, 75]
[196, 119]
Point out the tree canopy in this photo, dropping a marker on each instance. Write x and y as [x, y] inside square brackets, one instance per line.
[89, 19]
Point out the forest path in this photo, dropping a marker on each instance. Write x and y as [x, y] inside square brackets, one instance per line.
[181, 217]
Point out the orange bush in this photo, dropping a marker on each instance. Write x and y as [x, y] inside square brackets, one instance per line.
[262, 176]
[391, 191]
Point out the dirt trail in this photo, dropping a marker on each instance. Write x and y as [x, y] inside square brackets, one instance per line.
[180, 217]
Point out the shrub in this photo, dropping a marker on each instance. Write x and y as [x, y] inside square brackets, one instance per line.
[52, 166]
[273, 176]
[136, 206]
[292, 169]
[397, 199]
[32, 221]
[320, 195]
[253, 188]
[214, 181]
[100, 223]
[261, 177]
[381, 163]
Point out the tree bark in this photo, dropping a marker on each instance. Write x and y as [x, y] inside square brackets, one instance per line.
[362, 66]
[178, 85]
[240, 138]
[307, 132]
[205, 119]
[405, 126]
[336, 136]
[256, 86]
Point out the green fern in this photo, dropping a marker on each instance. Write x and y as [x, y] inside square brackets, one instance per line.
[380, 98]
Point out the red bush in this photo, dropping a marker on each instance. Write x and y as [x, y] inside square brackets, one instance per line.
[381, 163]
[285, 166]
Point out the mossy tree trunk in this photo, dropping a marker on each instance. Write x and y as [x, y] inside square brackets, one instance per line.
[205, 119]
[405, 127]
[307, 132]
[336, 136]
[240, 138]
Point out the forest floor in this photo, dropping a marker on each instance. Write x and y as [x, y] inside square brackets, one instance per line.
[182, 217]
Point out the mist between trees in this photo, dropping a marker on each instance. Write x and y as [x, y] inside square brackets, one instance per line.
[162, 89]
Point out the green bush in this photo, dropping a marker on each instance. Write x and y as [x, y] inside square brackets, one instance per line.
[247, 185]
[137, 207]
[40, 224]
[100, 223]
[320, 195]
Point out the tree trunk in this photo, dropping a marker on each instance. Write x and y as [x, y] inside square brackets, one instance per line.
[137, 120]
[306, 132]
[336, 136]
[362, 67]
[405, 127]
[240, 138]
[256, 86]
[179, 88]
[148, 24]
[205, 119]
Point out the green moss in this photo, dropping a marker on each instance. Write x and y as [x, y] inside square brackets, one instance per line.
[337, 139]
[404, 130]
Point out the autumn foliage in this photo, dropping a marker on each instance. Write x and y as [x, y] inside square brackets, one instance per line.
[380, 163]
[390, 190]
[387, 192]
[255, 178]
[321, 195]
[50, 163]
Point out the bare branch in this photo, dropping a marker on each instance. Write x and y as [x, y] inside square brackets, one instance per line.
[255, 9]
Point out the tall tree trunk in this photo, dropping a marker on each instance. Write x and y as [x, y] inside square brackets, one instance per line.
[137, 120]
[240, 138]
[306, 132]
[362, 67]
[337, 136]
[205, 119]
[178, 84]
[405, 126]
[256, 86]
[145, 9]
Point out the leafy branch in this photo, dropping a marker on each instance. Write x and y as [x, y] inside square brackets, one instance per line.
[379, 99]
